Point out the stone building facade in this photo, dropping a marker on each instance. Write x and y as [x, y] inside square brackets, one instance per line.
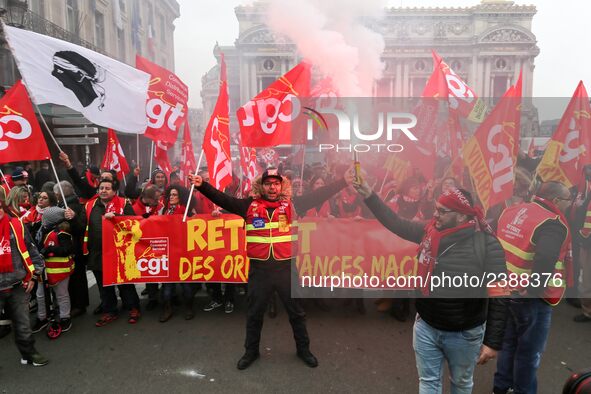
[486, 44]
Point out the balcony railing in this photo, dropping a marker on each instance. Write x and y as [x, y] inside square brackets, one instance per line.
[38, 24]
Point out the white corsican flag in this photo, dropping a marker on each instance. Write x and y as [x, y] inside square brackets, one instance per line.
[107, 92]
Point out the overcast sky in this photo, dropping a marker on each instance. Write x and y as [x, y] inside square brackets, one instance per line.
[561, 28]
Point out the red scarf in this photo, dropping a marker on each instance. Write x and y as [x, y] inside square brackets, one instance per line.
[429, 247]
[116, 205]
[177, 209]
[5, 251]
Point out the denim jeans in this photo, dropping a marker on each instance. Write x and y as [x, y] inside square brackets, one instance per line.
[528, 325]
[17, 302]
[460, 348]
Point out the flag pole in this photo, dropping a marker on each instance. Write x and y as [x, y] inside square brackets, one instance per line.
[192, 186]
[5, 180]
[137, 163]
[302, 172]
[59, 185]
[151, 157]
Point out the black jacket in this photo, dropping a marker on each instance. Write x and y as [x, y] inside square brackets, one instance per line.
[95, 233]
[443, 309]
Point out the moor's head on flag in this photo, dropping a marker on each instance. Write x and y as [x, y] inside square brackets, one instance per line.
[81, 76]
[107, 92]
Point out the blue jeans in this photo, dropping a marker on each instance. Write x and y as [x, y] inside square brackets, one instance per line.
[528, 325]
[461, 350]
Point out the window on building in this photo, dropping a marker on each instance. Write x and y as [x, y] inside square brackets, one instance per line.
[162, 30]
[500, 86]
[72, 15]
[501, 64]
[122, 5]
[121, 44]
[266, 81]
[420, 65]
[99, 30]
[456, 65]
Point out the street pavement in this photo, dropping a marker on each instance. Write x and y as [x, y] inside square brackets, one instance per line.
[357, 353]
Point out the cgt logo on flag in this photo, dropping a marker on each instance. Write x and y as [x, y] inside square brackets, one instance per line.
[20, 130]
[21, 137]
[137, 257]
[153, 261]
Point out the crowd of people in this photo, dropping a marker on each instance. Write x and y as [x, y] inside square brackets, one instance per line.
[53, 235]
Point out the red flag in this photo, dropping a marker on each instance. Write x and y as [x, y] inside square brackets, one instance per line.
[216, 142]
[114, 158]
[490, 154]
[266, 119]
[567, 152]
[270, 157]
[421, 153]
[166, 104]
[188, 163]
[20, 134]
[248, 161]
[531, 150]
[161, 157]
[461, 97]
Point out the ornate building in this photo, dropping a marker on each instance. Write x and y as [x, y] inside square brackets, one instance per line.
[116, 28]
[486, 44]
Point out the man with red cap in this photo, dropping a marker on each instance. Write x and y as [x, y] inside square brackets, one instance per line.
[270, 239]
[454, 323]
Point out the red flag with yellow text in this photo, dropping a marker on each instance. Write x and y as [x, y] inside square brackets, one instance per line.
[567, 152]
[462, 98]
[166, 107]
[491, 154]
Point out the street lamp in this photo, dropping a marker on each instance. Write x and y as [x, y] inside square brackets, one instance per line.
[14, 11]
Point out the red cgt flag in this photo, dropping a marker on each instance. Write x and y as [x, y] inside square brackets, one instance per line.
[114, 158]
[188, 163]
[20, 135]
[161, 157]
[568, 150]
[461, 97]
[216, 142]
[491, 154]
[266, 120]
[166, 104]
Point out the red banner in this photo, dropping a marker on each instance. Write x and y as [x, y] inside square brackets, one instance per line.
[266, 119]
[491, 153]
[568, 150]
[208, 249]
[166, 107]
[20, 134]
[114, 158]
